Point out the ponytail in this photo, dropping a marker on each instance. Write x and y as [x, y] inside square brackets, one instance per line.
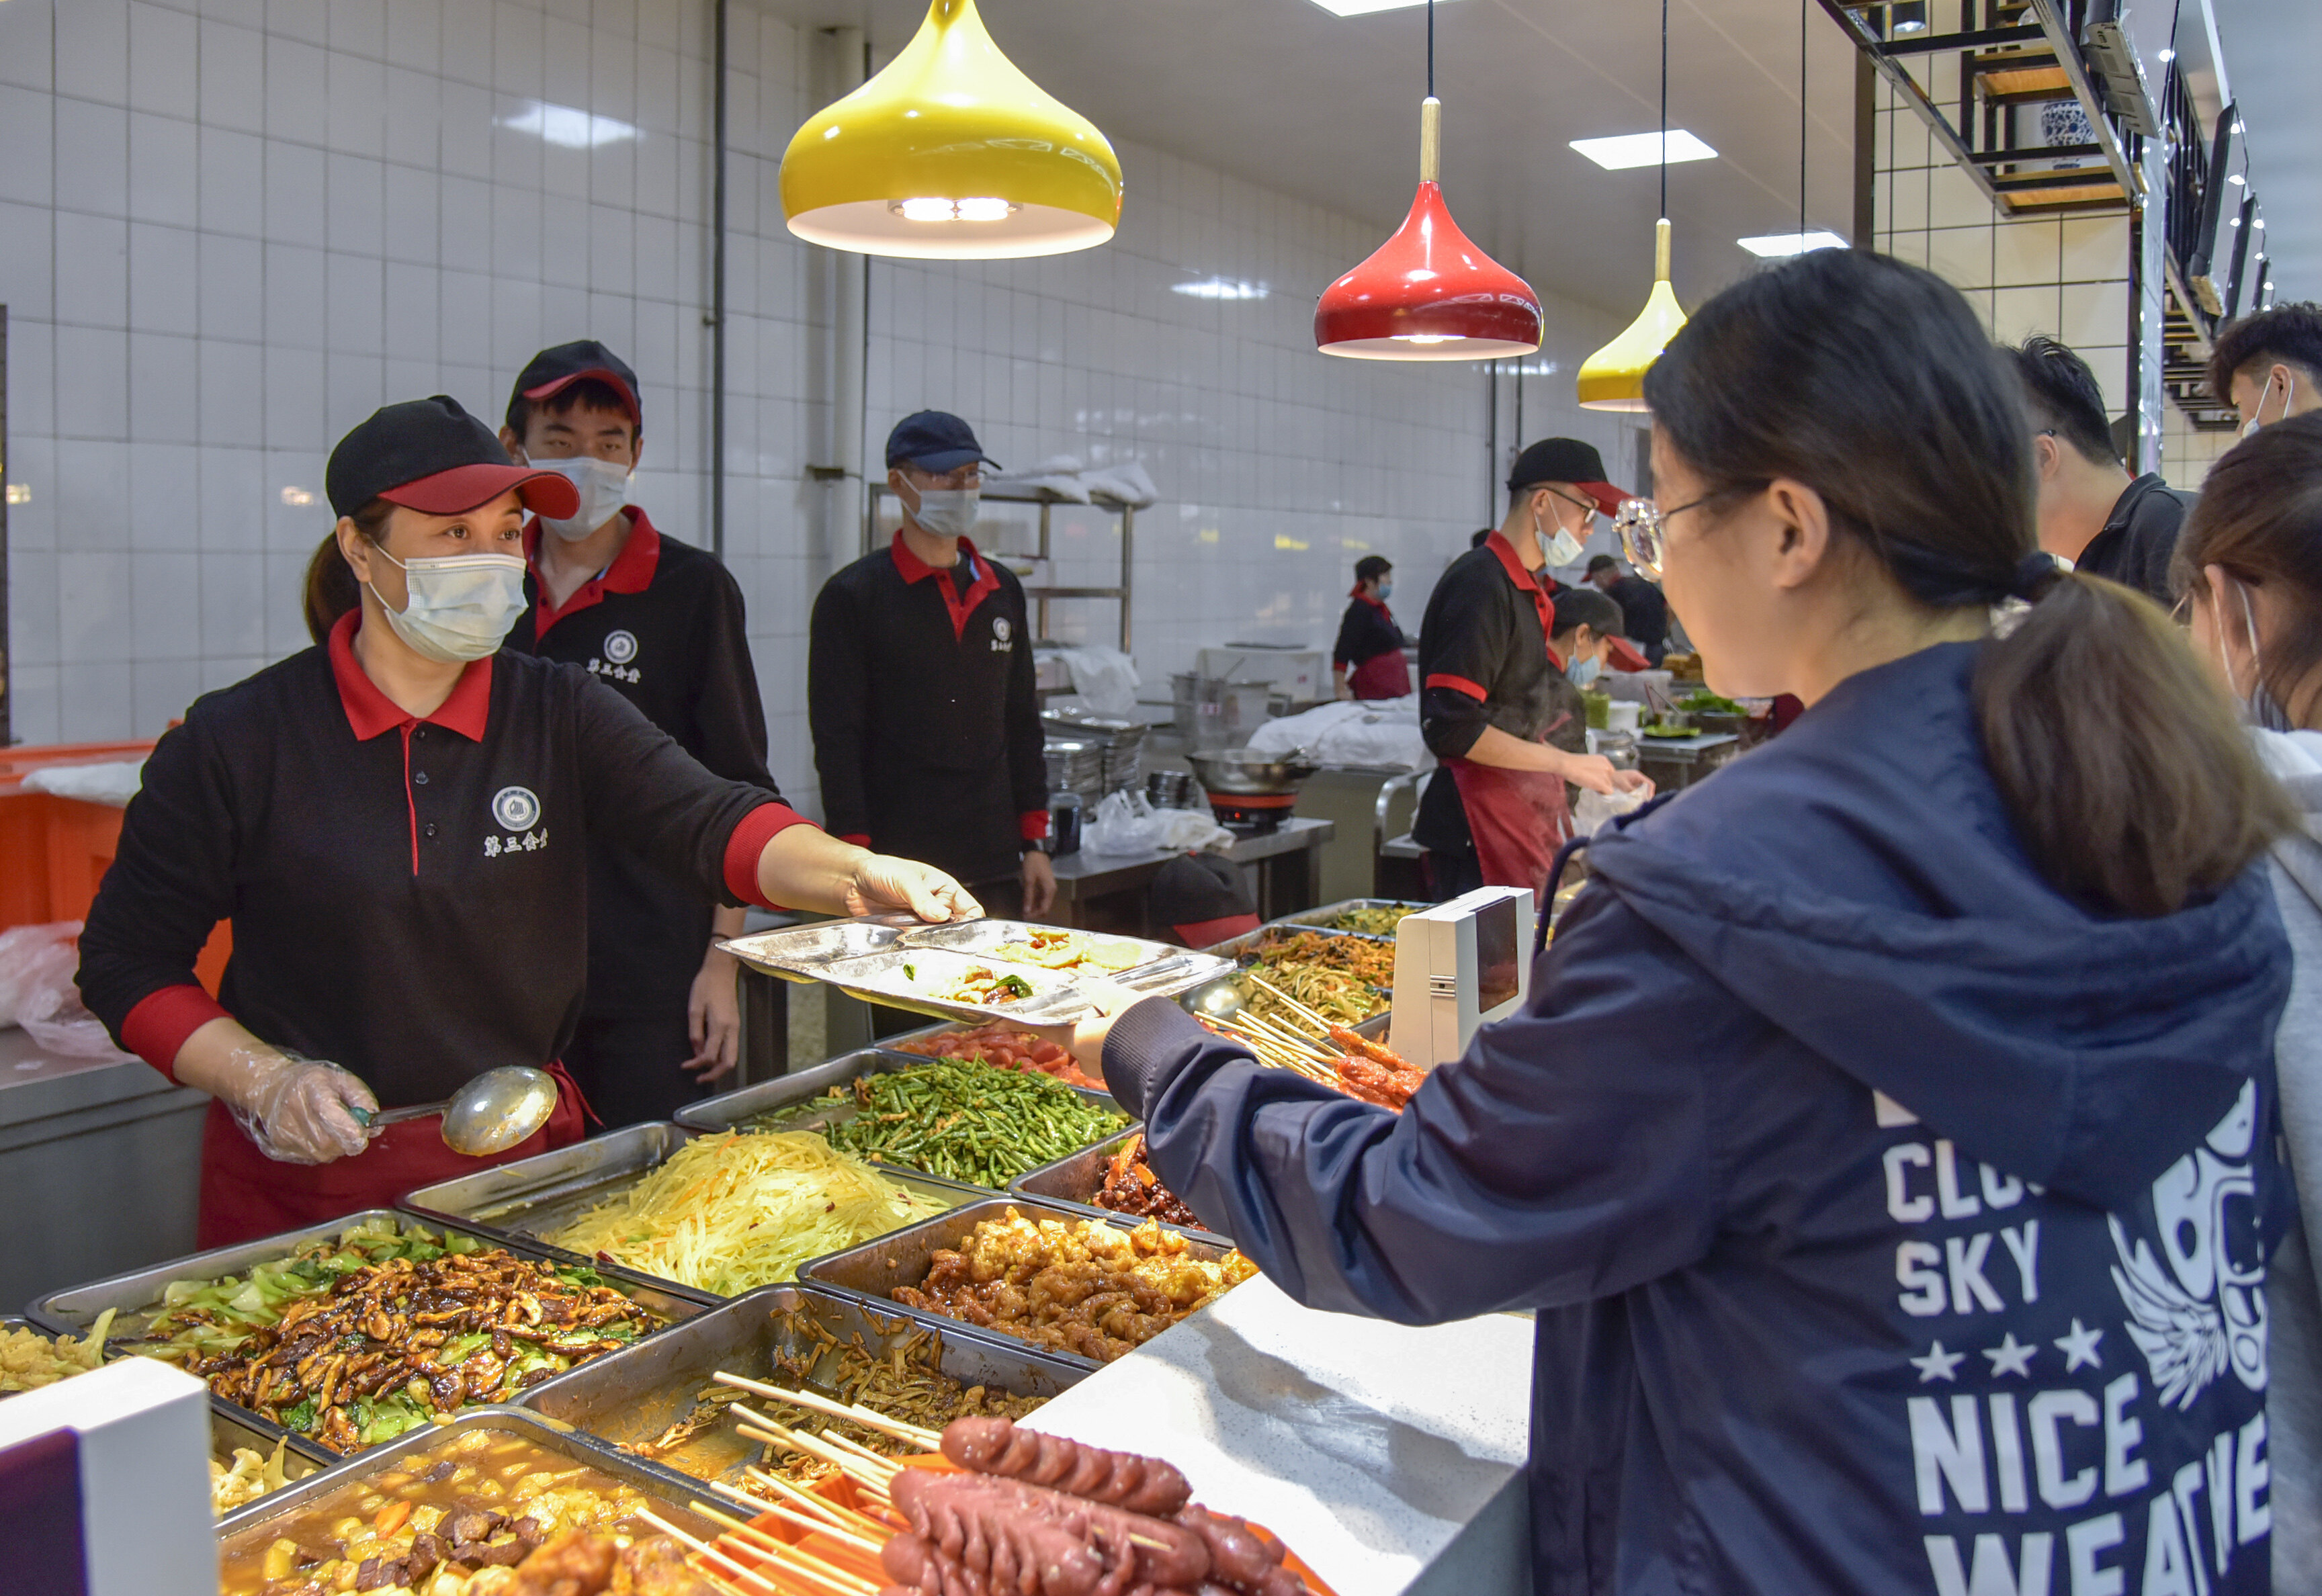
[1873, 383]
[331, 590]
[2130, 789]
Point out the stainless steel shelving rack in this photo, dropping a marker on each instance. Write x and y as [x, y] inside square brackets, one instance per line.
[1125, 515]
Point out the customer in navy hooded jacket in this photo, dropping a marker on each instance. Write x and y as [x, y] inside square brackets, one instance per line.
[1886, 1144]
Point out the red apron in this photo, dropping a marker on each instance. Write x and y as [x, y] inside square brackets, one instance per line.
[1519, 818]
[246, 1194]
[1381, 675]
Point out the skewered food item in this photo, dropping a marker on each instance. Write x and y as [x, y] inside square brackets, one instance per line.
[954, 1117]
[30, 1360]
[1122, 1479]
[1005, 1047]
[1004, 1530]
[1375, 1073]
[395, 1343]
[1081, 1286]
[734, 1212]
[1372, 922]
[1130, 1187]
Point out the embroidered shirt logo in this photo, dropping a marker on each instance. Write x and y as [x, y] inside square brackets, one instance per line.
[516, 808]
[621, 647]
[1003, 633]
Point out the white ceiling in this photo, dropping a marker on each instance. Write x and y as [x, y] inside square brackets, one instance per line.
[1287, 95]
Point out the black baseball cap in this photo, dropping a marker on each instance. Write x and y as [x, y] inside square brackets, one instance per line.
[1566, 460]
[430, 455]
[1603, 563]
[935, 441]
[552, 371]
[1372, 565]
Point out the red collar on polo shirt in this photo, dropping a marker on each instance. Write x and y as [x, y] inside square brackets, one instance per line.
[631, 571]
[373, 714]
[1504, 553]
[914, 568]
[1377, 604]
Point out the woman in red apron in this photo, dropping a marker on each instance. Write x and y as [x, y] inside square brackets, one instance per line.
[1370, 661]
[396, 821]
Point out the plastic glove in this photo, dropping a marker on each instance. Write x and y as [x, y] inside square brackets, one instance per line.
[297, 1110]
[882, 882]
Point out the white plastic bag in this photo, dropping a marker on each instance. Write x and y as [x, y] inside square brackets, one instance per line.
[1106, 679]
[37, 966]
[1595, 808]
[1124, 824]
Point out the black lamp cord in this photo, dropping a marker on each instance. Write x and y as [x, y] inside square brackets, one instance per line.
[1431, 49]
[1802, 121]
[1431, 4]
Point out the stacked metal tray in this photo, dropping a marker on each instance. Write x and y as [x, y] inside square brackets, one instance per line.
[867, 1273]
[137, 1295]
[1074, 1181]
[770, 1335]
[888, 961]
[525, 1203]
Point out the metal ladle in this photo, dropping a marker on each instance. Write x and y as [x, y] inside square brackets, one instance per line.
[490, 1114]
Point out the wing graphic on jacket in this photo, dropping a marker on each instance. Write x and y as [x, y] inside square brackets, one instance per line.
[2182, 1336]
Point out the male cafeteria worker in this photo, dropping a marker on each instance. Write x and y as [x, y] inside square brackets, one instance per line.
[387, 951]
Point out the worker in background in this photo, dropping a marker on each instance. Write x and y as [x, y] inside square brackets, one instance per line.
[919, 693]
[1644, 611]
[1493, 691]
[2268, 365]
[1370, 661]
[661, 623]
[2091, 513]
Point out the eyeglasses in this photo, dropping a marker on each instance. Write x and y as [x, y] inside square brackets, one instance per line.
[1643, 526]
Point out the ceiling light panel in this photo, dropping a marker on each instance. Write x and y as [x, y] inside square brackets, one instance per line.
[1365, 7]
[1620, 153]
[1773, 245]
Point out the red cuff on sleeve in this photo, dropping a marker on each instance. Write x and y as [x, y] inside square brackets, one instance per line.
[1458, 684]
[1033, 823]
[159, 1024]
[749, 840]
[861, 839]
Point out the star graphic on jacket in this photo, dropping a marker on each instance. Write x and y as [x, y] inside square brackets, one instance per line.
[2012, 1356]
[1938, 1364]
[2080, 1348]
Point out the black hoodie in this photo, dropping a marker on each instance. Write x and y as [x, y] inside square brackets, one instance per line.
[1894, 1225]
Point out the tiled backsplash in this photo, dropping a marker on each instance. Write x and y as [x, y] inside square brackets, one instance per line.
[230, 230]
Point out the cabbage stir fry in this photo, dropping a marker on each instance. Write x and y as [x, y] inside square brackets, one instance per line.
[355, 1342]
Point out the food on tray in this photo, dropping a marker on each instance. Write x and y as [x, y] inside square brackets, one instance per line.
[30, 1360]
[1346, 979]
[1118, 1478]
[1080, 1286]
[1375, 1073]
[980, 985]
[1709, 703]
[355, 1341]
[1359, 956]
[1055, 949]
[734, 1212]
[251, 1475]
[1130, 1187]
[483, 1500]
[1373, 922]
[1003, 1046]
[957, 1118]
[1663, 729]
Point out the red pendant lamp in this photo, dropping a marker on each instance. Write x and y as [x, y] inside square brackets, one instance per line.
[1429, 294]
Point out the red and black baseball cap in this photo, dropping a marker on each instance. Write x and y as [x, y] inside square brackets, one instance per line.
[552, 371]
[1567, 459]
[432, 456]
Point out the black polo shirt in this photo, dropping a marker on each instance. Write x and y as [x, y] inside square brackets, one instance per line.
[927, 728]
[663, 626]
[409, 896]
[2139, 538]
[1484, 660]
[1365, 631]
[1645, 611]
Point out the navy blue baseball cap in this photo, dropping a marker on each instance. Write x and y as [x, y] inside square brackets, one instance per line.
[935, 441]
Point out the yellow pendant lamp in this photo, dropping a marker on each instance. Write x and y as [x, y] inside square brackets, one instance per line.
[951, 153]
[1613, 378]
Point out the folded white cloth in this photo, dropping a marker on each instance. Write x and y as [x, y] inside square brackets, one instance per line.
[1383, 733]
[114, 781]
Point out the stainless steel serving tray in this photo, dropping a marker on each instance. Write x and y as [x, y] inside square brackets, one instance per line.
[525, 1201]
[253, 1524]
[725, 1112]
[868, 1273]
[767, 1335]
[1074, 1181]
[135, 1294]
[1319, 920]
[866, 959]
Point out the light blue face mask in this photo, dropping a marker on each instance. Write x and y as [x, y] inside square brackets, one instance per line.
[1583, 672]
[1386, 591]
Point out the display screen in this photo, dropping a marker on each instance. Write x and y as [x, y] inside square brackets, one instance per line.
[1497, 971]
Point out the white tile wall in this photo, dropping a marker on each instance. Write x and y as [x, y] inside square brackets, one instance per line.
[230, 229]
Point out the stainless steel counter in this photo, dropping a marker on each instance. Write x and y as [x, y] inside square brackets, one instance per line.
[1284, 867]
[99, 1168]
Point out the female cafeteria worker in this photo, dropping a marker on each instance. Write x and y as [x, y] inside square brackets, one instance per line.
[1886, 1143]
[395, 823]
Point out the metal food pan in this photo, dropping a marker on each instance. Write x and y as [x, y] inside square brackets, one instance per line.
[1238, 948]
[1319, 920]
[1074, 1181]
[136, 1295]
[725, 1113]
[765, 1335]
[870, 1272]
[817, 943]
[254, 1526]
[522, 1203]
[1223, 995]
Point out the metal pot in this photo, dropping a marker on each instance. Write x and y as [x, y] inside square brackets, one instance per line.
[1244, 772]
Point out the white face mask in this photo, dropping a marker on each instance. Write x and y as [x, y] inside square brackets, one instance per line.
[1557, 545]
[2259, 706]
[461, 606]
[604, 488]
[2289, 397]
[948, 512]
